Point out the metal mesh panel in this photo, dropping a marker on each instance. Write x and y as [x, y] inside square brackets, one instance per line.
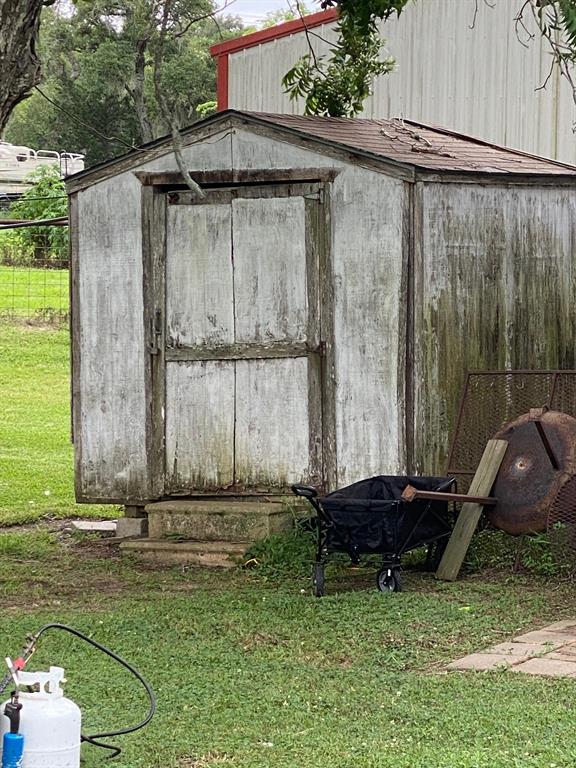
[491, 399]
[34, 290]
[564, 393]
[563, 510]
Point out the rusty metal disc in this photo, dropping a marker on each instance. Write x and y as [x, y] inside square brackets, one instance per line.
[539, 462]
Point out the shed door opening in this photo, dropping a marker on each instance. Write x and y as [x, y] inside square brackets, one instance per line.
[243, 340]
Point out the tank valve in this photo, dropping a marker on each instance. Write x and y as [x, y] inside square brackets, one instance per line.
[13, 742]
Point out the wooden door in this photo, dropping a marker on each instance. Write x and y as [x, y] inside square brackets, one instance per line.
[243, 387]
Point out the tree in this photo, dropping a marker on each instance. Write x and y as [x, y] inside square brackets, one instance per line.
[45, 199]
[556, 21]
[19, 62]
[339, 85]
[282, 15]
[93, 70]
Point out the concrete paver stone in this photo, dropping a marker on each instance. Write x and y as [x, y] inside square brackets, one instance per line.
[552, 639]
[94, 526]
[520, 649]
[550, 651]
[547, 667]
[565, 653]
[480, 662]
[567, 625]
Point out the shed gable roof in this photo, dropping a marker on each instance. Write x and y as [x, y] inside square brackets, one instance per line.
[404, 144]
[419, 145]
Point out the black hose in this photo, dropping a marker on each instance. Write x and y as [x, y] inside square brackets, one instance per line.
[93, 739]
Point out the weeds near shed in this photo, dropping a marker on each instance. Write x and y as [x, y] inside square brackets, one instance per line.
[542, 554]
[284, 554]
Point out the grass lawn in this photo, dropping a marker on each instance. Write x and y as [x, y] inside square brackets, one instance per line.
[36, 470]
[258, 674]
[26, 291]
[251, 671]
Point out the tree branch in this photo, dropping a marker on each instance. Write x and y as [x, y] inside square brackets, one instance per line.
[167, 114]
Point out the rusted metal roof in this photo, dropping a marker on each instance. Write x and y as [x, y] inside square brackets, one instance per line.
[421, 146]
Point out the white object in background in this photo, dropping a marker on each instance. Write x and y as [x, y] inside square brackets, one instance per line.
[49, 722]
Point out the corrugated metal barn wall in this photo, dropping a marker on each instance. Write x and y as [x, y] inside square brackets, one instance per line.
[460, 63]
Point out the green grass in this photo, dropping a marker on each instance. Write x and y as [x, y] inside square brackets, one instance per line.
[250, 671]
[28, 292]
[36, 466]
[260, 675]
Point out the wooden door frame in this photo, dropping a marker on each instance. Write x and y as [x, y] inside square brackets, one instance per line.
[154, 206]
[319, 348]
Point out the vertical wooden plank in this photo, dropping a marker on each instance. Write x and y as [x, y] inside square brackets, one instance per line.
[76, 392]
[367, 253]
[199, 426]
[112, 377]
[270, 269]
[313, 240]
[199, 289]
[199, 403]
[412, 226]
[272, 423]
[404, 357]
[470, 513]
[153, 277]
[328, 361]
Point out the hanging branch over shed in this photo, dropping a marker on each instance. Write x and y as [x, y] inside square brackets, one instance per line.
[338, 85]
[556, 22]
[168, 113]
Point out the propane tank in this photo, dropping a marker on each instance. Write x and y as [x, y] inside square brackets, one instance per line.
[49, 722]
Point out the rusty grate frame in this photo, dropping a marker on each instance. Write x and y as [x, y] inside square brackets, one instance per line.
[490, 399]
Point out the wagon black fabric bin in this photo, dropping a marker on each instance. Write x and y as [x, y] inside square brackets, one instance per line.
[371, 518]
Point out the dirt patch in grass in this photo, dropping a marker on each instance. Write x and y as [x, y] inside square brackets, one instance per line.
[50, 565]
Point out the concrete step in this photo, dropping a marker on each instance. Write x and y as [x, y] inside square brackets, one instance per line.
[217, 520]
[212, 554]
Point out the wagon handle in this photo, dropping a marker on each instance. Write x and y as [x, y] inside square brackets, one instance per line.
[304, 490]
[411, 494]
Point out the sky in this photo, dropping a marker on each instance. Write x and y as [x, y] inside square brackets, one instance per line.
[254, 11]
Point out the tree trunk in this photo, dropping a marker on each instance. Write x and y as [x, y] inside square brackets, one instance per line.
[19, 62]
[146, 132]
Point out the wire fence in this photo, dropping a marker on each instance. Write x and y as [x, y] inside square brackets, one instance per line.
[34, 283]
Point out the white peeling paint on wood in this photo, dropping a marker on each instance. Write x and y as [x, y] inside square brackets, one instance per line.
[199, 425]
[199, 289]
[112, 401]
[272, 422]
[367, 216]
[460, 64]
[369, 340]
[213, 153]
[494, 288]
[250, 151]
[112, 435]
[270, 290]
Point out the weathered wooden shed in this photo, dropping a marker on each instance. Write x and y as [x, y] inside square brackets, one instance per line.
[311, 318]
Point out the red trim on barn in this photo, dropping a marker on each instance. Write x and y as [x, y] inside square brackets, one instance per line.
[222, 82]
[221, 51]
[274, 33]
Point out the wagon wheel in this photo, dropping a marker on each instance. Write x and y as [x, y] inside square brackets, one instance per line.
[389, 580]
[318, 580]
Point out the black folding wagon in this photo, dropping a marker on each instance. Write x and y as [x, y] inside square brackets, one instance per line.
[370, 517]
